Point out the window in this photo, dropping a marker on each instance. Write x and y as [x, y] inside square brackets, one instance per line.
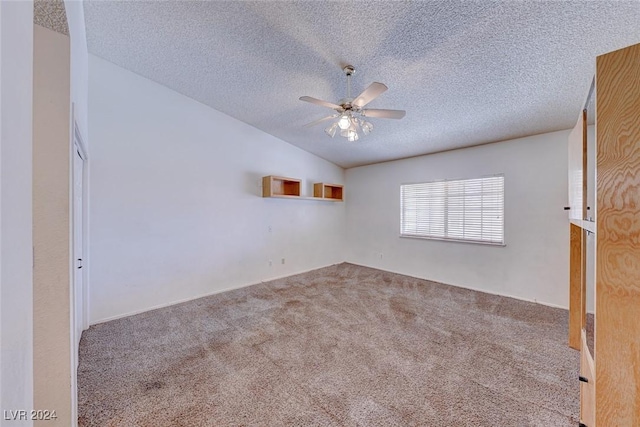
[469, 210]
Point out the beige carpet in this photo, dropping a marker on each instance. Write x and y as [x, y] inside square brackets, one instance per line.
[339, 346]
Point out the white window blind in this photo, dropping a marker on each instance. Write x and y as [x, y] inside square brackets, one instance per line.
[464, 210]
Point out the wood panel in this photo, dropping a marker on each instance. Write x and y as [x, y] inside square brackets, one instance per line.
[587, 389]
[575, 286]
[583, 278]
[266, 186]
[583, 119]
[318, 189]
[583, 210]
[618, 240]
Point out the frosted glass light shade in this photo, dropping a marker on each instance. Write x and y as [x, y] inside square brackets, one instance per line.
[331, 130]
[344, 122]
[366, 127]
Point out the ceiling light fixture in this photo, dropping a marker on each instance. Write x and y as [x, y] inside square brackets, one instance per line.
[345, 121]
[350, 112]
[331, 130]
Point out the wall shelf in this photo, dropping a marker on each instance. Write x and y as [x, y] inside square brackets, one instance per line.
[278, 187]
[328, 191]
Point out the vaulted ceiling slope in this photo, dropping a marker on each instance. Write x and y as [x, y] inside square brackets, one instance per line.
[467, 73]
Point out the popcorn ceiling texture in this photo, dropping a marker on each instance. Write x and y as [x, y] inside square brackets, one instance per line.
[51, 14]
[466, 72]
[339, 346]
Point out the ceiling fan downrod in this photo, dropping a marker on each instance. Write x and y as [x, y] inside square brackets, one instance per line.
[349, 71]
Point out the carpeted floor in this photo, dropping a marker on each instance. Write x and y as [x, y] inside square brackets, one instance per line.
[340, 346]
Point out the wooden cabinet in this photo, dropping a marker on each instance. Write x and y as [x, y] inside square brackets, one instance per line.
[610, 375]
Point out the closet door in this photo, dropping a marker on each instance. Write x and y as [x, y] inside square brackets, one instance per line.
[617, 340]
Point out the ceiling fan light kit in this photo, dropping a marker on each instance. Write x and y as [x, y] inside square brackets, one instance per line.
[350, 111]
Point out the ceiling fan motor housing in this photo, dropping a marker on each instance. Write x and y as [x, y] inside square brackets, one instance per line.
[346, 105]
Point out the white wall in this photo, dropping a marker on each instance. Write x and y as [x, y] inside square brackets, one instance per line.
[534, 263]
[52, 224]
[591, 203]
[79, 63]
[16, 282]
[175, 206]
[80, 104]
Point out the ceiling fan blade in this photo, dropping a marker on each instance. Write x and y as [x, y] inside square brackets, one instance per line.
[374, 90]
[384, 114]
[320, 102]
[308, 125]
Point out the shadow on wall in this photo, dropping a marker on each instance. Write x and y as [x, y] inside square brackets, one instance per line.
[253, 184]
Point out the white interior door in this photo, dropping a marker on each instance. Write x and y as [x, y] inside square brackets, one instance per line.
[78, 247]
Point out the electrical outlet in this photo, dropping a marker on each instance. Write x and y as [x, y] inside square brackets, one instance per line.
[270, 263]
[380, 255]
[283, 260]
[269, 228]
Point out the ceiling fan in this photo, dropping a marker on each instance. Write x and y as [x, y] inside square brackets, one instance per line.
[350, 113]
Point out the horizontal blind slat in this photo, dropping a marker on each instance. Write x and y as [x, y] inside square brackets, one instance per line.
[471, 209]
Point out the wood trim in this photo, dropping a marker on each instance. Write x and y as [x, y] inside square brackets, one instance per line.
[617, 345]
[587, 389]
[578, 240]
[266, 186]
[583, 268]
[318, 189]
[575, 286]
[583, 279]
[318, 199]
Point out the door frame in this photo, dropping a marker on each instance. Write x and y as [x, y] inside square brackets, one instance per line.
[77, 144]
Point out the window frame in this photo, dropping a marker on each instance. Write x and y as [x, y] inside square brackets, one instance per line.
[458, 240]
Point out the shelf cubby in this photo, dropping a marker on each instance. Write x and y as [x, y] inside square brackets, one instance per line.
[278, 186]
[328, 191]
[290, 188]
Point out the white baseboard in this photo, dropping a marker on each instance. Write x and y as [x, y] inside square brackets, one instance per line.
[464, 287]
[217, 291]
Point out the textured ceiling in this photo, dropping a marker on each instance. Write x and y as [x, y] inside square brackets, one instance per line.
[466, 72]
[51, 14]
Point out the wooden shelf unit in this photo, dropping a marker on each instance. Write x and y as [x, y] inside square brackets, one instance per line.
[290, 188]
[610, 375]
[278, 186]
[328, 191]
